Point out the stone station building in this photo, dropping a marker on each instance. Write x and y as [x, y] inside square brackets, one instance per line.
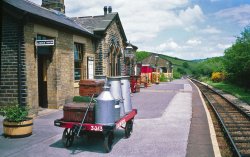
[47, 75]
[110, 55]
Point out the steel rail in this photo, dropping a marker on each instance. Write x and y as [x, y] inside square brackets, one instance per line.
[226, 132]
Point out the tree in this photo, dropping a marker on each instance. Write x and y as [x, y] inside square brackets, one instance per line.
[140, 55]
[185, 65]
[237, 60]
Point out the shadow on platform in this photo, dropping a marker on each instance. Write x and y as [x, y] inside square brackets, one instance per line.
[91, 143]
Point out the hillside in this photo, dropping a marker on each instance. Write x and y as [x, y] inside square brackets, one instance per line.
[181, 67]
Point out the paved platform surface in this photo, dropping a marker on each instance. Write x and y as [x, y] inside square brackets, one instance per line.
[199, 137]
[161, 128]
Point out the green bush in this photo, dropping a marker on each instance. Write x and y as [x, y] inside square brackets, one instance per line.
[163, 78]
[177, 75]
[15, 113]
[82, 99]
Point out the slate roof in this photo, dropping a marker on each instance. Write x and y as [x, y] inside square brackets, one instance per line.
[96, 23]
[50, 15]
[99, 23]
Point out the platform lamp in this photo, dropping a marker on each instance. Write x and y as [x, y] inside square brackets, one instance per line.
[172, 69]
[167, 66]
[129, 53]
[156, 66]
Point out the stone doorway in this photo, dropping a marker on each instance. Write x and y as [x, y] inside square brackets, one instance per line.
[42, 80]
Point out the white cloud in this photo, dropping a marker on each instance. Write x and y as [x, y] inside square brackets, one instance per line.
[223, 46]
[194, 42]
[240, 15]
[169, 45]
[142, 21]
[191, 15]
[177, 28]
[193, 48]
[211, 30]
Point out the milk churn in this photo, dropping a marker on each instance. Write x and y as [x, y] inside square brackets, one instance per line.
[117, 110]
[115, 89]
[126, 93]
[105, 108]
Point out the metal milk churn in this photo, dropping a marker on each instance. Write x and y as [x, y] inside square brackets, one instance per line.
[105, 108]
[125, 81]
[117, 110]
[115, 89]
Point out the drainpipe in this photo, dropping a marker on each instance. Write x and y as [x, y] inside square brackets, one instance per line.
[19, 66]
[19, 61]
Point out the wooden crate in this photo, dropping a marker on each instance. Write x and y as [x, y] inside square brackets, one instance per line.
[74, 112]
[89, 87]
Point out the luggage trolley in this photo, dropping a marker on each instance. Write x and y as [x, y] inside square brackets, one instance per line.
[74, 128]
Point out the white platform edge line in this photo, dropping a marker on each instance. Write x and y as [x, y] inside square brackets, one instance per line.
[211, 126]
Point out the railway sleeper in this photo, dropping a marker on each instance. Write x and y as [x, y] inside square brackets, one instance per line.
[239, 134]
[238, 129]
[241, 141]
[230, 119]
[237, 123]
[245, 153]
[232, 111]
[232, 114]
[243, 146]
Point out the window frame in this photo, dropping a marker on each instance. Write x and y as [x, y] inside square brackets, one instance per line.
[79, 48]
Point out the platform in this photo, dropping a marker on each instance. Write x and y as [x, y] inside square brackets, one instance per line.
[171, 121]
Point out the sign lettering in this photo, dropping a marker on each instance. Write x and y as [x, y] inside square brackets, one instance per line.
[45, 42]
[96, 128]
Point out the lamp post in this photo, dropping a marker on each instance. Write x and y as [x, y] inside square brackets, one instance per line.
[156, 65]
[129, 54]
[172, 70]
[167, 66]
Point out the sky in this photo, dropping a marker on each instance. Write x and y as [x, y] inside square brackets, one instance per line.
[187, 29]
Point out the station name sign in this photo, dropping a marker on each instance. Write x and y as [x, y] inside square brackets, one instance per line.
[50, 42]
[131, 55]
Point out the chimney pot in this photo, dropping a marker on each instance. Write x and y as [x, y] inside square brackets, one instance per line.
[105, 10]
[110, 9]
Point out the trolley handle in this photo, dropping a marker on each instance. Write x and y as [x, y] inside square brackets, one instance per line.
[85, 114]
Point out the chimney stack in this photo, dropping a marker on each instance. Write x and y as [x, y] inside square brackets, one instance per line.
[110, 9]
[105, 10]
[54, 4]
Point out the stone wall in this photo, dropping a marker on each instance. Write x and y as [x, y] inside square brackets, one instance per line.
[11, 33]
[112, 35]
[31, 66]
[88, 52]
[60, 72]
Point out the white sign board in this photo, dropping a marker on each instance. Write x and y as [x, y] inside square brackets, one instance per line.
[45, 42]
[131, 55]
[90, 68]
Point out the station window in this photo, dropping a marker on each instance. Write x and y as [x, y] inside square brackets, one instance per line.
[78, 58]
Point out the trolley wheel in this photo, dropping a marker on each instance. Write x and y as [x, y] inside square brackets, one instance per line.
[108, 141]
[128, 128]
[68, 137]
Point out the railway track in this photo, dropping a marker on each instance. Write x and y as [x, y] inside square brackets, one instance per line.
[234, 120]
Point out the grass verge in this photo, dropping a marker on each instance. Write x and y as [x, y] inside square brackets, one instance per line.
[237, 91]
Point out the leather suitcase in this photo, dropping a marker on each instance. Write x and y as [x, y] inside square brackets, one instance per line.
[74, 112]
[89, 87]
